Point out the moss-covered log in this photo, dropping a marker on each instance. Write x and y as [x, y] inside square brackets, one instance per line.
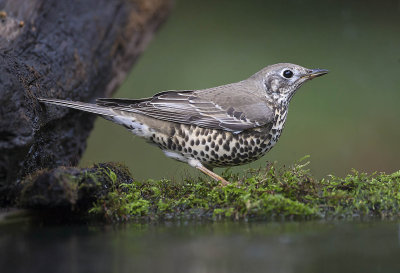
[266, 193]
[107, 191]
[62, 49]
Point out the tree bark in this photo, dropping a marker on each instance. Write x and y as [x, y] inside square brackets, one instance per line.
[77, 50]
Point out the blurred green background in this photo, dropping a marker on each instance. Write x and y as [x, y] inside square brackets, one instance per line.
[347, 119]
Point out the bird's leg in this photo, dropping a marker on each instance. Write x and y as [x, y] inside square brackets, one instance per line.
[212, 175]
[197, 164]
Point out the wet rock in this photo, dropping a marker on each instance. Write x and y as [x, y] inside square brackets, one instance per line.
[72, 188]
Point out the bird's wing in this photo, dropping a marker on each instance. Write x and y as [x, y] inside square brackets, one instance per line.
[199, 108]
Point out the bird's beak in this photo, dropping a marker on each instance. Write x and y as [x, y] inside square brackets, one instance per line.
[313, 73]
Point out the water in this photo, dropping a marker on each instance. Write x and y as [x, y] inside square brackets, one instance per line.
[371, 246]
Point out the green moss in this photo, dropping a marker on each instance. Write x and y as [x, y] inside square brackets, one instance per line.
[264, 193]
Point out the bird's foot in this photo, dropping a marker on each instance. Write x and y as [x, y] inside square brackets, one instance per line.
[213, 175]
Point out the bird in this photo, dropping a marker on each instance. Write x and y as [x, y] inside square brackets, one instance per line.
[223, 126]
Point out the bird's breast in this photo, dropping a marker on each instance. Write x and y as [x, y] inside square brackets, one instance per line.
[217, 148]
[278, 125]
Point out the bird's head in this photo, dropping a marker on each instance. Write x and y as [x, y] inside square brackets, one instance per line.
[280, 81]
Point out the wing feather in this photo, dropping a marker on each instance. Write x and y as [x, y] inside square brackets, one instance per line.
[190, 107]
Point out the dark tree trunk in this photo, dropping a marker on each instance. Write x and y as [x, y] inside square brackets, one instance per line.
[77, 50]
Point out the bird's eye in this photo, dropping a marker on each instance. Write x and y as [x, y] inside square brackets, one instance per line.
[288, 73]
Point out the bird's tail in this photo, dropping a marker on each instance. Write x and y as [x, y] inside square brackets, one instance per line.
[83, 106]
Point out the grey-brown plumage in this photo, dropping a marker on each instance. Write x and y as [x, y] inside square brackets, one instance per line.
[223, 126]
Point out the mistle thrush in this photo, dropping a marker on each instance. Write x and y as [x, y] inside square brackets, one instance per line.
[222, 126]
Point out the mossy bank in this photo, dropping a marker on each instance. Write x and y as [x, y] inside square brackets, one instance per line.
[266, 193]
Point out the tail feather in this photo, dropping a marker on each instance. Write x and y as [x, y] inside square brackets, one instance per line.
[83, 106]
[123, 118]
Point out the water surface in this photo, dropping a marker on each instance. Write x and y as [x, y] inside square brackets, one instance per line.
[371, 246]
